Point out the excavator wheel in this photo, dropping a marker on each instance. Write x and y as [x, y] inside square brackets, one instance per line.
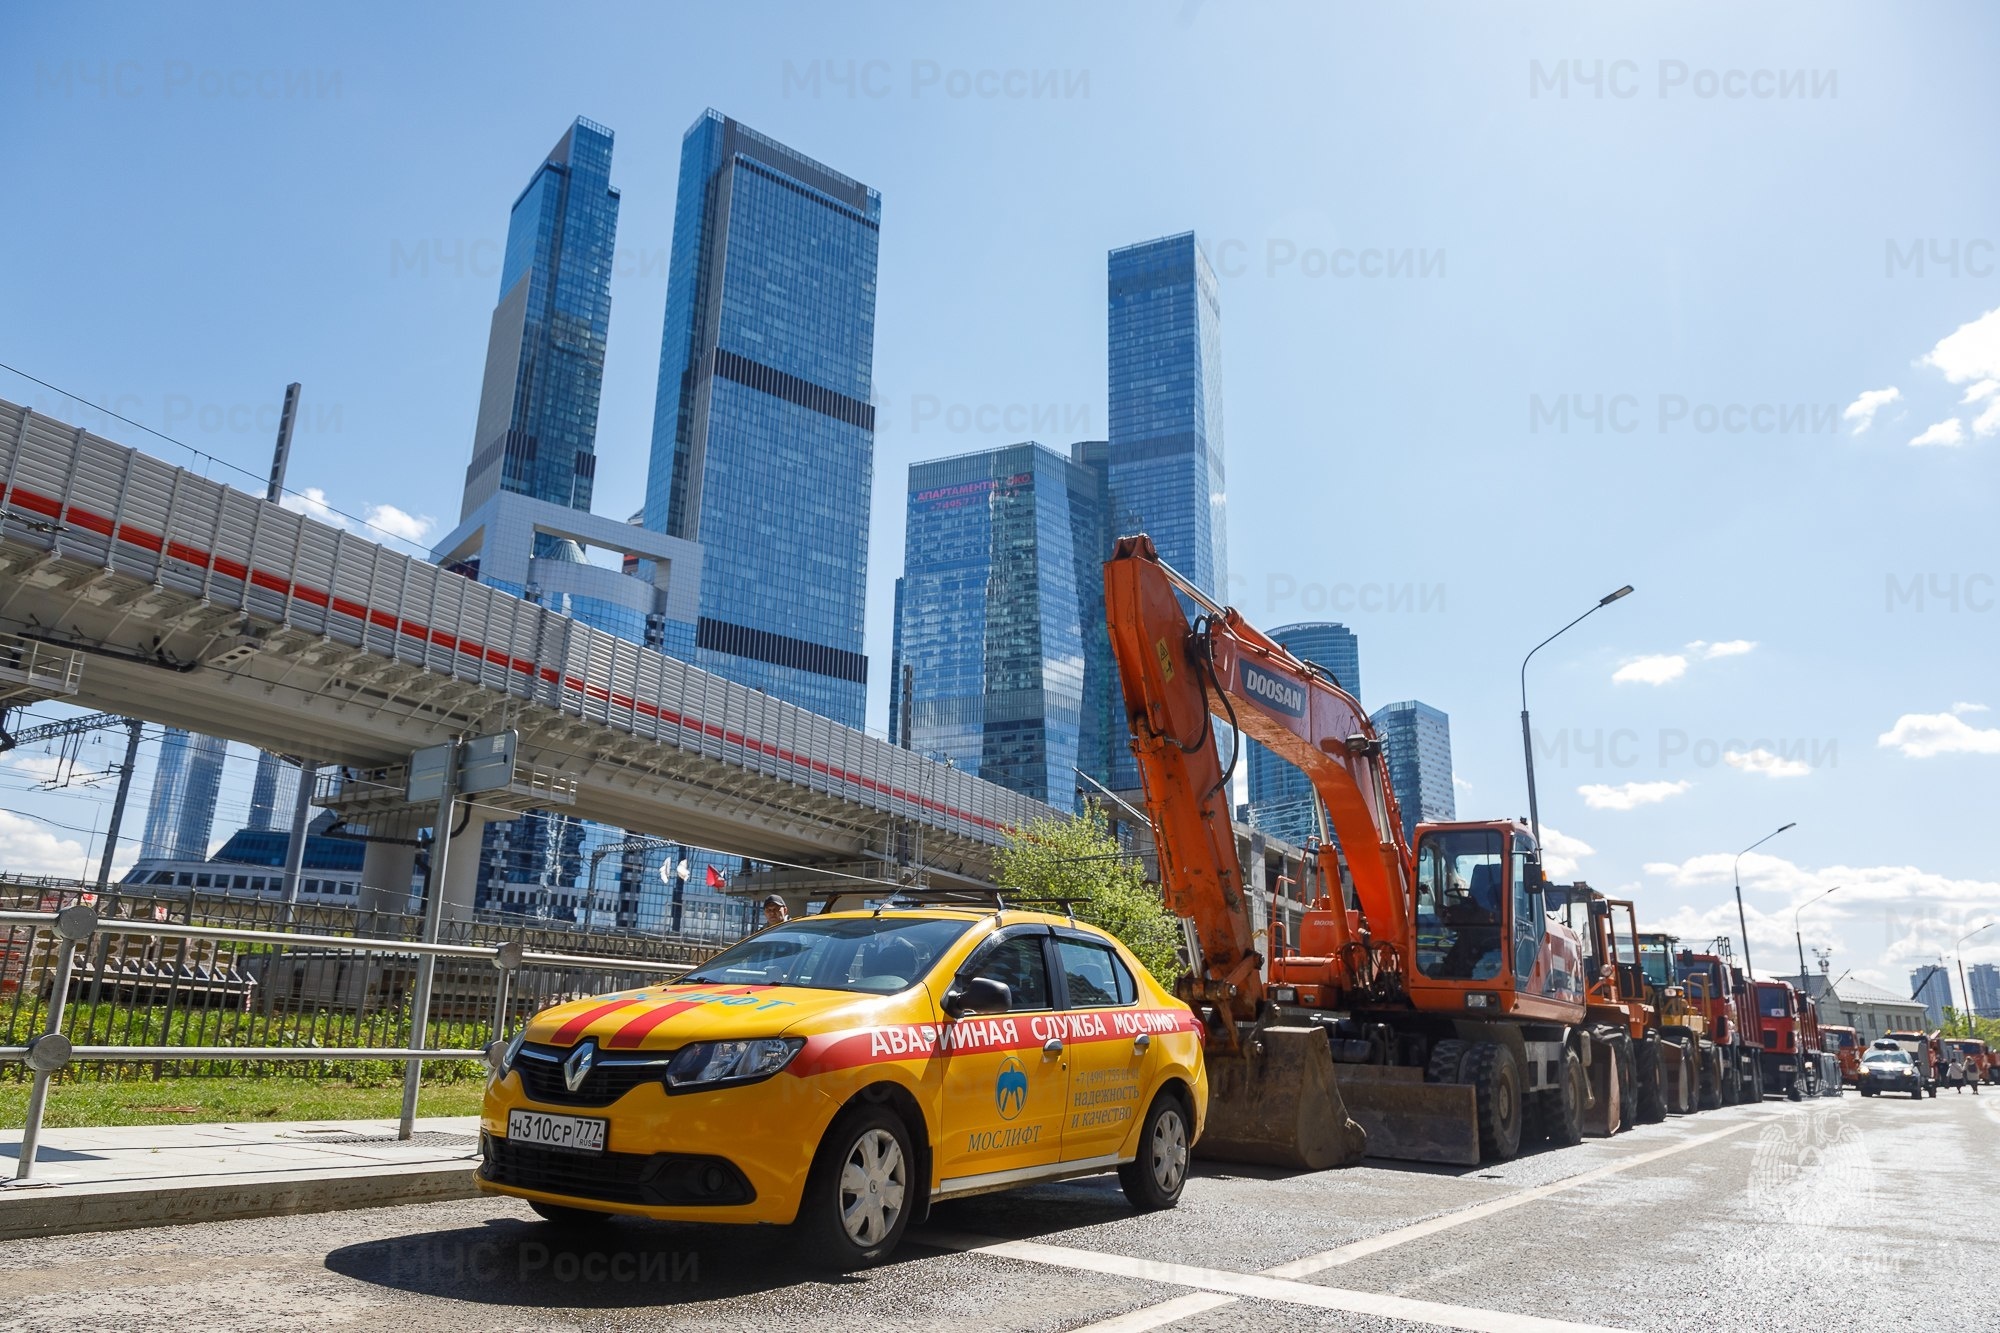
[1566, 1103]
[1652, 1082]
[1447, 1058]
[1628, 1074]
[1687, 1090]
[1495, 1075]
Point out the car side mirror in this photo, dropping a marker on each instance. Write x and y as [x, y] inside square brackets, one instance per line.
[978, 995]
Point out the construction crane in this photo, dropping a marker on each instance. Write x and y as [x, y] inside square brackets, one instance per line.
[1438, 983]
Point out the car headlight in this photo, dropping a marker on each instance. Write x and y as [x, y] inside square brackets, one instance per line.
[708, 1064]
[501, 1055]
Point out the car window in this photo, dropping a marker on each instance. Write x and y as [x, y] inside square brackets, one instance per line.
[880, 954]
[1094, 976]
[1018, 965]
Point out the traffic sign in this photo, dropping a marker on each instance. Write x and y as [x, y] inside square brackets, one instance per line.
[487, 763]
[430, 772]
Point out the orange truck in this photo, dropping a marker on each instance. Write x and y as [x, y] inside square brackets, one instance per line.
[1846, 1045]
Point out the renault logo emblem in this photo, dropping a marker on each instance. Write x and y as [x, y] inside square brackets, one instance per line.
[577, 1067]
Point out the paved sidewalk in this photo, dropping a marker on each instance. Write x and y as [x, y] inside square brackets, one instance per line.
[109, 1179]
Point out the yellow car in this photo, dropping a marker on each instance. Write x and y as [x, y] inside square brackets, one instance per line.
[843, 1072]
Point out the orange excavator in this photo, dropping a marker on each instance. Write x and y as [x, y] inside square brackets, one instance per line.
[1434, 979]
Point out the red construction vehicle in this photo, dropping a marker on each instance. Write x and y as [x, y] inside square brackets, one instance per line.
[1978, 1060]
[1439, 981]
[1846, 1045]
[1717, 989]
[1790, 1032]
[1682, 1023]
[1625, 1009]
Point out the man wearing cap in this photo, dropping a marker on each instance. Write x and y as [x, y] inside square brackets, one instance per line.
[775, 913]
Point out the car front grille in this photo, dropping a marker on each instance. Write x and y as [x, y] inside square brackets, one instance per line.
[611, 1077]
[668, 1180]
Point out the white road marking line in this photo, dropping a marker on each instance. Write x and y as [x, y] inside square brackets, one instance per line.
[1347, 1254]
[1166, 1312]
[1369, 1303]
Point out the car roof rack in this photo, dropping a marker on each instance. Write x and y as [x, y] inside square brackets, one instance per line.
[913, 896]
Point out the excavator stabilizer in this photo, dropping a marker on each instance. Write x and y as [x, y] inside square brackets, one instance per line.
[1278, 1105]
[1411, 1120]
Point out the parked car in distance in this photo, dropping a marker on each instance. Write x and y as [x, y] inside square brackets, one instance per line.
[1890, 1070]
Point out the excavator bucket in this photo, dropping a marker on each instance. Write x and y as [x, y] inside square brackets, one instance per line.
[1278, 1105]
[1411, 1120]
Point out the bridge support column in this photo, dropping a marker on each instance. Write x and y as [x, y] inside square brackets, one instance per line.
[461, 868]
[386, 871]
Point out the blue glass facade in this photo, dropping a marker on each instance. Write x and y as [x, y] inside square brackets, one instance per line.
[763, 436]
[180, 813]
[1001, 618]
[537, 426]
[1164, 460]
[1281, 800]
[1416, 741]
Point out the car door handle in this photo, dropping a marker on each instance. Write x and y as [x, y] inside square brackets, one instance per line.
[1052, 1047]
[1143, 1042]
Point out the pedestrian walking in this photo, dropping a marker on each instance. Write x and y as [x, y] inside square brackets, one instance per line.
[1955, 1071]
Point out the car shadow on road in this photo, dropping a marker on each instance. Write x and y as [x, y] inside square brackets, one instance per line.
[630, 1262]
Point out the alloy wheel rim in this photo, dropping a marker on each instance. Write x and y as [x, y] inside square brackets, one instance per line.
[872, 1187]
[1170, 1151]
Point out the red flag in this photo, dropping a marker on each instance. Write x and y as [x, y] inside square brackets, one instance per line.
[716, 881]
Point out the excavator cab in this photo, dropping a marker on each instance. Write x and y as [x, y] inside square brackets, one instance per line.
[1485, 939]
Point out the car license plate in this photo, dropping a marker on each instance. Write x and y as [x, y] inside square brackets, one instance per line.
[574, 1132]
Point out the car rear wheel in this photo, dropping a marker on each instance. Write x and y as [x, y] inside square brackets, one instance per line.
[857, 1200]
[1154, 1179]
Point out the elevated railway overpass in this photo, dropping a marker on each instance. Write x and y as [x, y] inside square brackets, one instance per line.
[142, 588]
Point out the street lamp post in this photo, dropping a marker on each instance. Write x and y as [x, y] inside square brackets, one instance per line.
[1527, 737]
[1799, 939]
[1964, 995]
[1737, 875]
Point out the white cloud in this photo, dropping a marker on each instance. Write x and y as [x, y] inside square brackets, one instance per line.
[26, 848]
[1863, 409]
[394, 521]
[1971, 352]
[1763, 761]
[1460, 783]
[38, 767]
[1630, 795]
[1988, 422]
[1950, 431]
[1922, 735]
[1969, 708]
[1981, 391]
[1656, 669]
[1727, 648]
[313, 504]
[1561, 853]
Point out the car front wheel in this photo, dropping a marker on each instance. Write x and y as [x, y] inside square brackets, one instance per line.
[1153, 1180]
[858, 1198]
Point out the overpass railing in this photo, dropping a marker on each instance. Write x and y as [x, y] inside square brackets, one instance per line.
[125, 995]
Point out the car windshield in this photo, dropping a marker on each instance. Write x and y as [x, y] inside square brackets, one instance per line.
[876, 954]
[1657, 962]
[1891, 1058]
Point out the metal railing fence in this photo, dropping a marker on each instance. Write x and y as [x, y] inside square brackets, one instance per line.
[118, 994]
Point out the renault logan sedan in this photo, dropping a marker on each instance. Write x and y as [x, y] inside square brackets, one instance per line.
[843, 1072]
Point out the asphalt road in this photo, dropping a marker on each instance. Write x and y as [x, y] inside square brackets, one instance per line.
[1844, 1214]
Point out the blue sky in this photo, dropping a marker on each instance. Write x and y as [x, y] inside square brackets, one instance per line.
[205, 207]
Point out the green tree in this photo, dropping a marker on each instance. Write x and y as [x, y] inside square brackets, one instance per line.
[1076, 857]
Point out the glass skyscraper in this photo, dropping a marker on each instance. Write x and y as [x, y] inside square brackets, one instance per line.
[1983, 980]
[1282, 802]
[180, 813]
[1930, 986]
[537, 427]
[1416, 742]
[1163, 462]
[763, 435]
[1001, 618]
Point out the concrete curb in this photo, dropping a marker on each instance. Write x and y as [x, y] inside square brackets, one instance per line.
[60, 1210]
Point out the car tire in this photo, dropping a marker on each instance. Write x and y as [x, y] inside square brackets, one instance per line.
[1867, 1092]
[565, 1216]
[861, 1192]
[1916, 1094]
[1495, 1076]
[1153, 1180]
